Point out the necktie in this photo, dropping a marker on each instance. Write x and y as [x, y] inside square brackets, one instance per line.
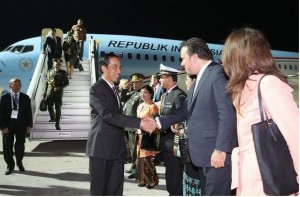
[116, 94]
[54, 38]
[16, 101]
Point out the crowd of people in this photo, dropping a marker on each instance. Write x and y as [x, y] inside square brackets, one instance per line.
[213, 118]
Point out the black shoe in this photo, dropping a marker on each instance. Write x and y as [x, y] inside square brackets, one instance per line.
[21, 168]
[9, 171]
[142, 184]
[151, 186]
[57, 127]
[128, 171]
[51, 120]
[131, 176]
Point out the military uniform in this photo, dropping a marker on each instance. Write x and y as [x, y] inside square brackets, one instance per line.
[172, 99]
[58, 79]
[132, 100]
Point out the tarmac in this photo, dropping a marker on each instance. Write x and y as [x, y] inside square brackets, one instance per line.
[60, 168]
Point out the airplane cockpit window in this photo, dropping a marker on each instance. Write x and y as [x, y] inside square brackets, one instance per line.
[17, 49]
[27, 48]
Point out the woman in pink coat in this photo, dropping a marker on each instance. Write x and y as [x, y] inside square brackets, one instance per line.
[246, 58]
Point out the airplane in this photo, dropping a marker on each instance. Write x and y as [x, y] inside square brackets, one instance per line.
[139, 54]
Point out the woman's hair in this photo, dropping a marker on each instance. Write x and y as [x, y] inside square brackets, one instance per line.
[149, 89]
[247, 52]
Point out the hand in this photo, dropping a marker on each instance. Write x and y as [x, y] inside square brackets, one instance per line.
[218, 159]
[5, 130]
[29, 130]
[177, 129]
[148, 124]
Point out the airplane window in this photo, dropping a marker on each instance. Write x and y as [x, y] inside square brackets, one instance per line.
[112, 53]
[284, 66]
[138, 56]
[295, 67]
[129, 55]
[146, 56]
[291, 68]
[172, 59]
[121, 55]
[102, 53]
[155, 57]
[27, 48]
[164, 58]
[17, 49]
[279, 66]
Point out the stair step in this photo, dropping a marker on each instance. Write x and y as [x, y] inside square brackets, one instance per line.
[81, 77]
[65, 118]
[60, 135]
[79, 82]
[78, 87]
[70, 112]
[83, 99]
[76, 93]
[66, 126]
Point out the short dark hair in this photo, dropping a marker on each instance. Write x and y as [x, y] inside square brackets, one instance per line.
[104, 60]
[197, 46]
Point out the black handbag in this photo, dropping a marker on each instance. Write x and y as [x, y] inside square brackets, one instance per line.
[43, 105]
[184, 149]
[274, 158]
[150, 141]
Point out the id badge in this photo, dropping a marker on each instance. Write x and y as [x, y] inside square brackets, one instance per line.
[14, 114]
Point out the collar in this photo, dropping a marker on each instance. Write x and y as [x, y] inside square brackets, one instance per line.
[172, 88]
[110, 85]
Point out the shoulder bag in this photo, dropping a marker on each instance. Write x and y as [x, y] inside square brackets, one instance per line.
[150, 141]
[274, 158]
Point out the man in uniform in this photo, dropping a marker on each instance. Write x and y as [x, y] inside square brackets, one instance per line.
[57, 80]
[132, 100]
[172, 99]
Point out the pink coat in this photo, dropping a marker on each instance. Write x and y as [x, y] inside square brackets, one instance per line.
[279, 103]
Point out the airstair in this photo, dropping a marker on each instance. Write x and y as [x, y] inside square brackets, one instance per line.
[75, 119]
[75, 112]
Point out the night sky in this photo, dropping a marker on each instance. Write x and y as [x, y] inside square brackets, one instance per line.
[211, 20]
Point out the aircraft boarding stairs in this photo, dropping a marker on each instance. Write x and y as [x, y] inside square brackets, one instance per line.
[75, 112]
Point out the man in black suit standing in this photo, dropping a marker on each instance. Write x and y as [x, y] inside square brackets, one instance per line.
[211, 118]
[106, 143]
[172, 99]
[54, 49]
[15, 122]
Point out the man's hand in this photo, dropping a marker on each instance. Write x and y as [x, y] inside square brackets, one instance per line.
[29, 130]
[218, 159]
[5, 130]
[148, 124]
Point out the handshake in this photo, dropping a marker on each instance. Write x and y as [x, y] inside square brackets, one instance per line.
[148, 124]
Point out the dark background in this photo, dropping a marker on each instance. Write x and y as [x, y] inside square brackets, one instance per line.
[212, 20]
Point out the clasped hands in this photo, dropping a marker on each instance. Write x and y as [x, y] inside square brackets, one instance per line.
[148, 124]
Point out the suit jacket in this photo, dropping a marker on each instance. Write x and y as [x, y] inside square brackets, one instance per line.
[210, 115]
[158, 93]
[169, 102]
[54, 48]
[106, 137]
[24, 114]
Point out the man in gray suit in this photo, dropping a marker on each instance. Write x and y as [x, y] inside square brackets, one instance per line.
[106, 143]
[211, 118]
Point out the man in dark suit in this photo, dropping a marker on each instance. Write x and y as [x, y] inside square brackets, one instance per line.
[172, 99]
[211, 118]
[158, 90]
[106, 143]
[15, 122]
[54, 49]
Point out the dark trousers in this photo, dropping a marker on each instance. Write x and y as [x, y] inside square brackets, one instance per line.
[80, 48]
[55, 98]
[107, 177]
[174, 173]
[15, 131]
[133, 146]
[215, 181]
